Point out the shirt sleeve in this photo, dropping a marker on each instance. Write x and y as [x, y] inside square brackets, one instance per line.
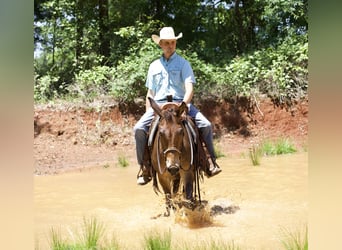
[187, 73]
[149, 78]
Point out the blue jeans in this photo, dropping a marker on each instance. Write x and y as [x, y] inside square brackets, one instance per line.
[142, 126]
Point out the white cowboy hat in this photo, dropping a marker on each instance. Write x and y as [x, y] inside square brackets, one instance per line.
[166, 33]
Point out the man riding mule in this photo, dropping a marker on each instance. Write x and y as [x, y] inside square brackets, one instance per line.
[170, 75]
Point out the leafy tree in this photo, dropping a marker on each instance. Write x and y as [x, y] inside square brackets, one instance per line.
[236, 47]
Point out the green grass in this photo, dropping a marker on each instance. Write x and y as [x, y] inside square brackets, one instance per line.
[212, 245]
[91, 237]
[278, 147]
[123, 162]
[158, 241]
[270, 148]
[57, 243]
[297, 240]
[92, 232]
[255, 153]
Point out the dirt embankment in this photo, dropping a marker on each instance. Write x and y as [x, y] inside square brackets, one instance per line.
[67, 137]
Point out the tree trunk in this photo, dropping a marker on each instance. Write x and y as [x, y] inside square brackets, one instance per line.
[79, 30]
[241, 43]
[104, 31]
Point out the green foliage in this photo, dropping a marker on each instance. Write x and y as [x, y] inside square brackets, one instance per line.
[88, 50]
[279, 72]
[129, 79]
[92, 83]
[278, 147]
[43, 88]
[128, 82]
[204, 73]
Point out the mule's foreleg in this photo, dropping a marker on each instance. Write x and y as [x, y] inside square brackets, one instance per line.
[189, 186]
[168, 205]
[188, 191]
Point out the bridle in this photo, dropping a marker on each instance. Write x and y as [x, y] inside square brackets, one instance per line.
[172, 149]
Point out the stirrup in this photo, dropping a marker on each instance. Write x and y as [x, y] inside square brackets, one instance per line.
[143, 176]
[210, 172]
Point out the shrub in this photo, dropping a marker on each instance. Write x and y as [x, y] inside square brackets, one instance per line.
[92, 83]
[279, 72]
[44, 88]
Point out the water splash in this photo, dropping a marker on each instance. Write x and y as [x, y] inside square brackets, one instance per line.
[197, 217]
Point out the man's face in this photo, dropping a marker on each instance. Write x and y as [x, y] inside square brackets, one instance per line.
[168, 47]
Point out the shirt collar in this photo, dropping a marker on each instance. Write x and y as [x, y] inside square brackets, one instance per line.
[171, 57]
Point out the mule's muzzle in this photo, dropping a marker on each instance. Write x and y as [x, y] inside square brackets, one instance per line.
[173, 169]
[172, 160]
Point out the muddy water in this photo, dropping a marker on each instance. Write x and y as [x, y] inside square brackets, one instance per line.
[262, 202]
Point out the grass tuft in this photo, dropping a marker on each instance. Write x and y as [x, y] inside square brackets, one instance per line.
[255, 153]
[123, 162]
[88, 239]
[278, 147]
[158, 241]
[91, 238]
[57, 242]
[297, 240]
[93, 230]
[270, 148]
[211, 245]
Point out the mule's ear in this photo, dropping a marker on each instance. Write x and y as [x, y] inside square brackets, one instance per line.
[182, 108]
[155, 106]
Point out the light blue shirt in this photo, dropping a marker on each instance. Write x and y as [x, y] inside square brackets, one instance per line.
[169, 77]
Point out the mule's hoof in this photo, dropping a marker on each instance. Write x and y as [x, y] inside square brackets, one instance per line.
[189, 204]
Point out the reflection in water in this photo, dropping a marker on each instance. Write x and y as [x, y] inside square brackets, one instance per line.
[246, 204]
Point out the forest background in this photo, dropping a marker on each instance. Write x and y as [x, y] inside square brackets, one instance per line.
[85, 50]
